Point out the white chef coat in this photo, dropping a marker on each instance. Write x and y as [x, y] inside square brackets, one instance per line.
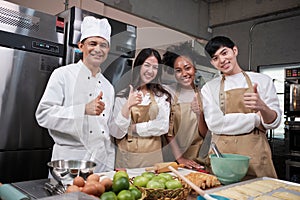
[238, 123]
[62, 111]
[156, 127]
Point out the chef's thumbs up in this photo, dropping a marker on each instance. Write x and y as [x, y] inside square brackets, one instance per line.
[96, 106]
[99, 97]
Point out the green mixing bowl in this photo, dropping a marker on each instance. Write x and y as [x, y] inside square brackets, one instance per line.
[231, 168]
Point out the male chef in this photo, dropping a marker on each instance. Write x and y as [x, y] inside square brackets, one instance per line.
[77, 103]
[239, 107]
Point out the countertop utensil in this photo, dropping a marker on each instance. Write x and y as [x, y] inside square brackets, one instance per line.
[195, 187]
[64, 171]
[54, 189]
[216, 150]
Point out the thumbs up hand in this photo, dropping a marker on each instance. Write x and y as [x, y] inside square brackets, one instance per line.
[96, 106]
[196, 108]
[134, 98]
[253, 101]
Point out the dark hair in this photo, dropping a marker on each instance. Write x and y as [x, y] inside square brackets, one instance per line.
[216, 43]
[175, 51]
[155, 84]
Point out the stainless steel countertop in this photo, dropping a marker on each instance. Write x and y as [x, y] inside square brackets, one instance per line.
[34, 188]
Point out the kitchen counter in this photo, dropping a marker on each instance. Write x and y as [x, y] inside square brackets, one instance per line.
[35, 188]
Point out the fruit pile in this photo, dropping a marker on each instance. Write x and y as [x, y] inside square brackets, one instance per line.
[160, 186]
[117, 189]
[122, 188]
[159, 181]
[92, 185]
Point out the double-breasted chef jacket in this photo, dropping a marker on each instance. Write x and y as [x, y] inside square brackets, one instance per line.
[62, 111]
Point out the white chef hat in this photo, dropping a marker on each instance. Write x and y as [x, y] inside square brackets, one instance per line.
[92, 26]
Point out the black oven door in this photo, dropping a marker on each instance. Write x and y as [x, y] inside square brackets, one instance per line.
[293, 137]
[292, 98]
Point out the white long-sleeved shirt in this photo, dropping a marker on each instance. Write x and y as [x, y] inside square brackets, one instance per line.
[156, 127]
[62, 111]
[238, 123]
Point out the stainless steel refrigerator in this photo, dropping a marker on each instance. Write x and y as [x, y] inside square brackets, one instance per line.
[118, 65]
[31, 47]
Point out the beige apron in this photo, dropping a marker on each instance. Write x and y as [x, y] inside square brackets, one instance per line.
[185, 127]
[253, 144]
[135, 151]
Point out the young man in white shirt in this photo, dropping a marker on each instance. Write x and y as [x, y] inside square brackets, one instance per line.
[239, 107]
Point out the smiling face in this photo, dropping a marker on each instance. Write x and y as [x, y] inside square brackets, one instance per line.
[184, 71]
[149, 70]
[95, 51]
[225, 60]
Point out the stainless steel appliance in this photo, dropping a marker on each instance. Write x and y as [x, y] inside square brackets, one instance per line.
[31, 47]
[292, 137]
[292, 123]
[122, 48]
[292, 92]
[292, 110]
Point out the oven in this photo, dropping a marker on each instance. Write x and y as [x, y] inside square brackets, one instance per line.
[292, 92]
[292, 137]
[292, 122]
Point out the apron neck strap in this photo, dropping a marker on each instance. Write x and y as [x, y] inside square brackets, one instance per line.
[177, 93]
[222, 95]
[222, 92]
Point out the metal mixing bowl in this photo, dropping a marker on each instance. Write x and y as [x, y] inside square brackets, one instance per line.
[64, 171]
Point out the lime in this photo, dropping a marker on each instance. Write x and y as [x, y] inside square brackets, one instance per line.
[132, 187]
[125, 195]
[119, 174]
[166, 176]
[108, 196]
[140, 181]
[121, 183]
[155, 185]
[159, 179]
[136, 193]
[173, 184]
[148, 175]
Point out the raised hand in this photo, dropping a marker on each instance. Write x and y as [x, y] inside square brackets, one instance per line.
[253, 101]
[134, 98]
[96, 106]
[196, 108]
